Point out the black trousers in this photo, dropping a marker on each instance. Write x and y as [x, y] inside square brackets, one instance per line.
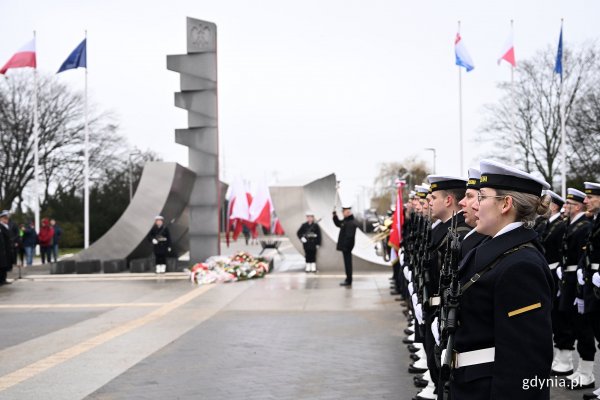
[430, 346]
[584, 328]
[3, 272]
[563, 323]
[348, 265]
[310, 252]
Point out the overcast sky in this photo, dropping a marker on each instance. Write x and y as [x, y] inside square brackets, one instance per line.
[305, 87]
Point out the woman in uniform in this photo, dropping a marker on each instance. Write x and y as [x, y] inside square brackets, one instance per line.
[503, 342]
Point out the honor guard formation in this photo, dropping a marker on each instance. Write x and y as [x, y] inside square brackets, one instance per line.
[499, 279]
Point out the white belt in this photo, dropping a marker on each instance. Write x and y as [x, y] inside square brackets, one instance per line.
[595, 266]
[553, 265]
[570, 268]
[474, 357]
[434, 301]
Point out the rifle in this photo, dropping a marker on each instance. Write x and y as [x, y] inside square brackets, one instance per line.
[425, 262]
[564, 251]
[449, 308]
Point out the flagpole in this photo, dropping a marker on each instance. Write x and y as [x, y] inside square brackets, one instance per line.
[36, 156]
[513, 110]
[460, 113]
[86, 166]
[561, 110]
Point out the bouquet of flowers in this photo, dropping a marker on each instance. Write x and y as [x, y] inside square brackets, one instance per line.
[239, 267]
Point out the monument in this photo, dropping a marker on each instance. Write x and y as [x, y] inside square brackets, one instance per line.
[198, 95]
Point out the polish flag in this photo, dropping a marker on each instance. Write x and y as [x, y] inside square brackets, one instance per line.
[261, 207]
[508, 52]
[24, 57]
[239, 208]
[277, 228]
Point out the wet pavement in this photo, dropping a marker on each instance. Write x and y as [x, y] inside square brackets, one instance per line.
[141, 336]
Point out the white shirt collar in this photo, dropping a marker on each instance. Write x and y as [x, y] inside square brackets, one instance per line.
[470, 233]
[436, 223]
[508, 228]
[554, 217]
[581, 214]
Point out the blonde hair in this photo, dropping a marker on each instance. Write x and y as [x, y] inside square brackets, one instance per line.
[528, 206]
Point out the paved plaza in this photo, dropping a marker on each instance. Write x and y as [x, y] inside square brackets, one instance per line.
[139, 336]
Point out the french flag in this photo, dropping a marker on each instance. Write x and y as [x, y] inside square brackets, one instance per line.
[24, 57]
[463, 59]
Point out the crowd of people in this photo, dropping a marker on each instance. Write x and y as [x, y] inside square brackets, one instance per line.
[499, 279]
[18, 243]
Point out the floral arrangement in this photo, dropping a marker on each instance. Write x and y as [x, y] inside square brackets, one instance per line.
[239, 267]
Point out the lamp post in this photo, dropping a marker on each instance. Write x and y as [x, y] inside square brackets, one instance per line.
[434, 156]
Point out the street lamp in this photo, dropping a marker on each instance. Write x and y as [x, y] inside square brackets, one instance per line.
[433, 151]
[131, 173]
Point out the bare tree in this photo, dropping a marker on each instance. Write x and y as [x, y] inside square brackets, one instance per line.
[537, 92]
[61, 130]
[412, 170]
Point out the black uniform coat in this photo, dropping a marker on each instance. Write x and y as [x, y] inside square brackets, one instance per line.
[551, 239]
[347, 232]
[591, 302]
[438, 248]
[4, 255]
[163, 236]
[470, 242]
[523, 341]
[577, 235]
[7, 247]
[312, 234]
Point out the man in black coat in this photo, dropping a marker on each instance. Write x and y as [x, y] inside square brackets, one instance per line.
[345, 242]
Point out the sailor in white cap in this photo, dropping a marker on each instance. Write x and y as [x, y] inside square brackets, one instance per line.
[590, 264]
[160, 237]
[445, 194]
[551, 233]
[473, 238]
[570, 326]
[587, 272]
[310, 236]
[346, 239]
[504, 329]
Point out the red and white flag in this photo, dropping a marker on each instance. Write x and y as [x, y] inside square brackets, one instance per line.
[508, 52]
[262, 206]
[24, 57]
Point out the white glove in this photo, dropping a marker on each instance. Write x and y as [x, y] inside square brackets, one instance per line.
[580, 305]
[411, 288]
[405, 271]
[401, 257]
[559, 273]
[596, 279]
[154, 241]
[435, 329]
[410, 276]
[417, 309]
[419, 313]
[580, 277]
[303, 239]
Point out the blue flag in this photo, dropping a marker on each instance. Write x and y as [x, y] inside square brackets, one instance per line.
[76, 59]
[559, 55]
